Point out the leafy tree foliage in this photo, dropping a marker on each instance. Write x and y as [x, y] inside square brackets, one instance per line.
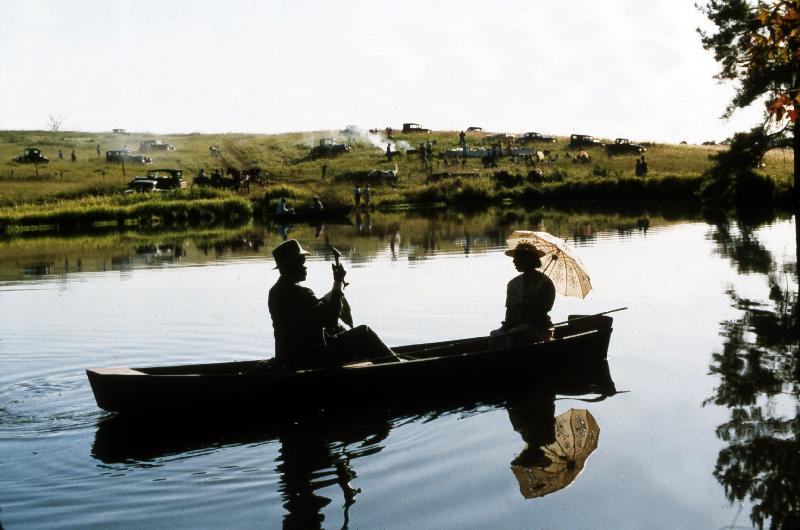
[758, 47]
[732, 178]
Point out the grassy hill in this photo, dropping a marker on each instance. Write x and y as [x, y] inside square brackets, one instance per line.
[674, 170]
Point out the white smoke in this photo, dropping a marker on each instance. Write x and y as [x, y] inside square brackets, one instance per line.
[353, 134]
[377, 139]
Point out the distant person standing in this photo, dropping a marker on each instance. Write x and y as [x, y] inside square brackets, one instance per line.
[357, 196]
[367, 195]
[462, 139]
[388, 152]
[644, 166]
[638, 167]
[324, 171]
[60, 154]
[98, 149]
[72, 156]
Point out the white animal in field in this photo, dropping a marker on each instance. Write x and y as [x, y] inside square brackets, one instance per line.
[389, 175]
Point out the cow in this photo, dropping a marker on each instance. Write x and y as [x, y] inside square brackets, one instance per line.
[383, 175]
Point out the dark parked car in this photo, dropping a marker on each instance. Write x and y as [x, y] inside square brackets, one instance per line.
[142, 185]
[158, 180]
[139, 159]
[31, 155]
[474, 129]
[123, 155]
[414, 128]
[623, 146]
[329, 147]
[534, 137]
[583, 140]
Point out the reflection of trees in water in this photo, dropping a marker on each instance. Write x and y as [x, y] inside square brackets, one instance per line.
[413, 234]
[759, 373]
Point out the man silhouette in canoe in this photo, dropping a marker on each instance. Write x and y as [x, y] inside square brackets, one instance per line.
[307, 333]
[529, 299]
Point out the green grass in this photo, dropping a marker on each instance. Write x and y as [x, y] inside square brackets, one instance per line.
[167, 209]
[67, 189]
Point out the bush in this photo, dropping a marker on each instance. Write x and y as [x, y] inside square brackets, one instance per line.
[732, 179]
[504, 179]
[472, 191]
[559, 175]
[601, 171]
[282, 190]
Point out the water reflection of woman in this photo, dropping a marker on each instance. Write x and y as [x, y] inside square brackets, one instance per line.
[533, 418]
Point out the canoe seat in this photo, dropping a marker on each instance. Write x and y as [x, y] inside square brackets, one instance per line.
[117, 371]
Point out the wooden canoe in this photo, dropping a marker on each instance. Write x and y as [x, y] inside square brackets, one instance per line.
[432, 368]
[123, 438]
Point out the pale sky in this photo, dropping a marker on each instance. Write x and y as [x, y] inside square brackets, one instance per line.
[632, 68]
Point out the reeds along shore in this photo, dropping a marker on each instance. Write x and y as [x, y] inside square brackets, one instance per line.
[88, 191]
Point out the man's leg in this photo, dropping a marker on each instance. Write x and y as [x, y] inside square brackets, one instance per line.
[360, 344]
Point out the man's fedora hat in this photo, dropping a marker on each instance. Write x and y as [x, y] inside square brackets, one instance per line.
[287, 252]
[526, 248]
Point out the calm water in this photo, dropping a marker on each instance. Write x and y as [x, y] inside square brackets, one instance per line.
[700, 359]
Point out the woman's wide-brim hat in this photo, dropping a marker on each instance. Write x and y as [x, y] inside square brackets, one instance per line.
[526, 248]
[287, 252]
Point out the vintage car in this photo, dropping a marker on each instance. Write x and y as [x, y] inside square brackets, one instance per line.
[474, 129]
[163, 179]
[329, 147]
[583, 140]
[155, 145]
[533, 137]
[123, 155]
[414, 128]
[142, 185]
[623, 146]
[31, 155]
[499, 138]
[139, 159]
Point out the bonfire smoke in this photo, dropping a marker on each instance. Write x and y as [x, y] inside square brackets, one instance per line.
[377, 139]
[353, 133]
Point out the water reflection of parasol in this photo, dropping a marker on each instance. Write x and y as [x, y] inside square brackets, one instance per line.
[560, 462]
[566, 271]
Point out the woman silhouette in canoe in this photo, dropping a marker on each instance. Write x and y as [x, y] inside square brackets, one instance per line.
[529, 299]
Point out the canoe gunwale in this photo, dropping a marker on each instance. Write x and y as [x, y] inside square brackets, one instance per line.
[246, 382]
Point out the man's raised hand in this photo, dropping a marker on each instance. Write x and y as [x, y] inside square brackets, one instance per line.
[338, 273]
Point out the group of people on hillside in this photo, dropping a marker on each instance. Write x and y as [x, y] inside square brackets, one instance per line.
[358, 194]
